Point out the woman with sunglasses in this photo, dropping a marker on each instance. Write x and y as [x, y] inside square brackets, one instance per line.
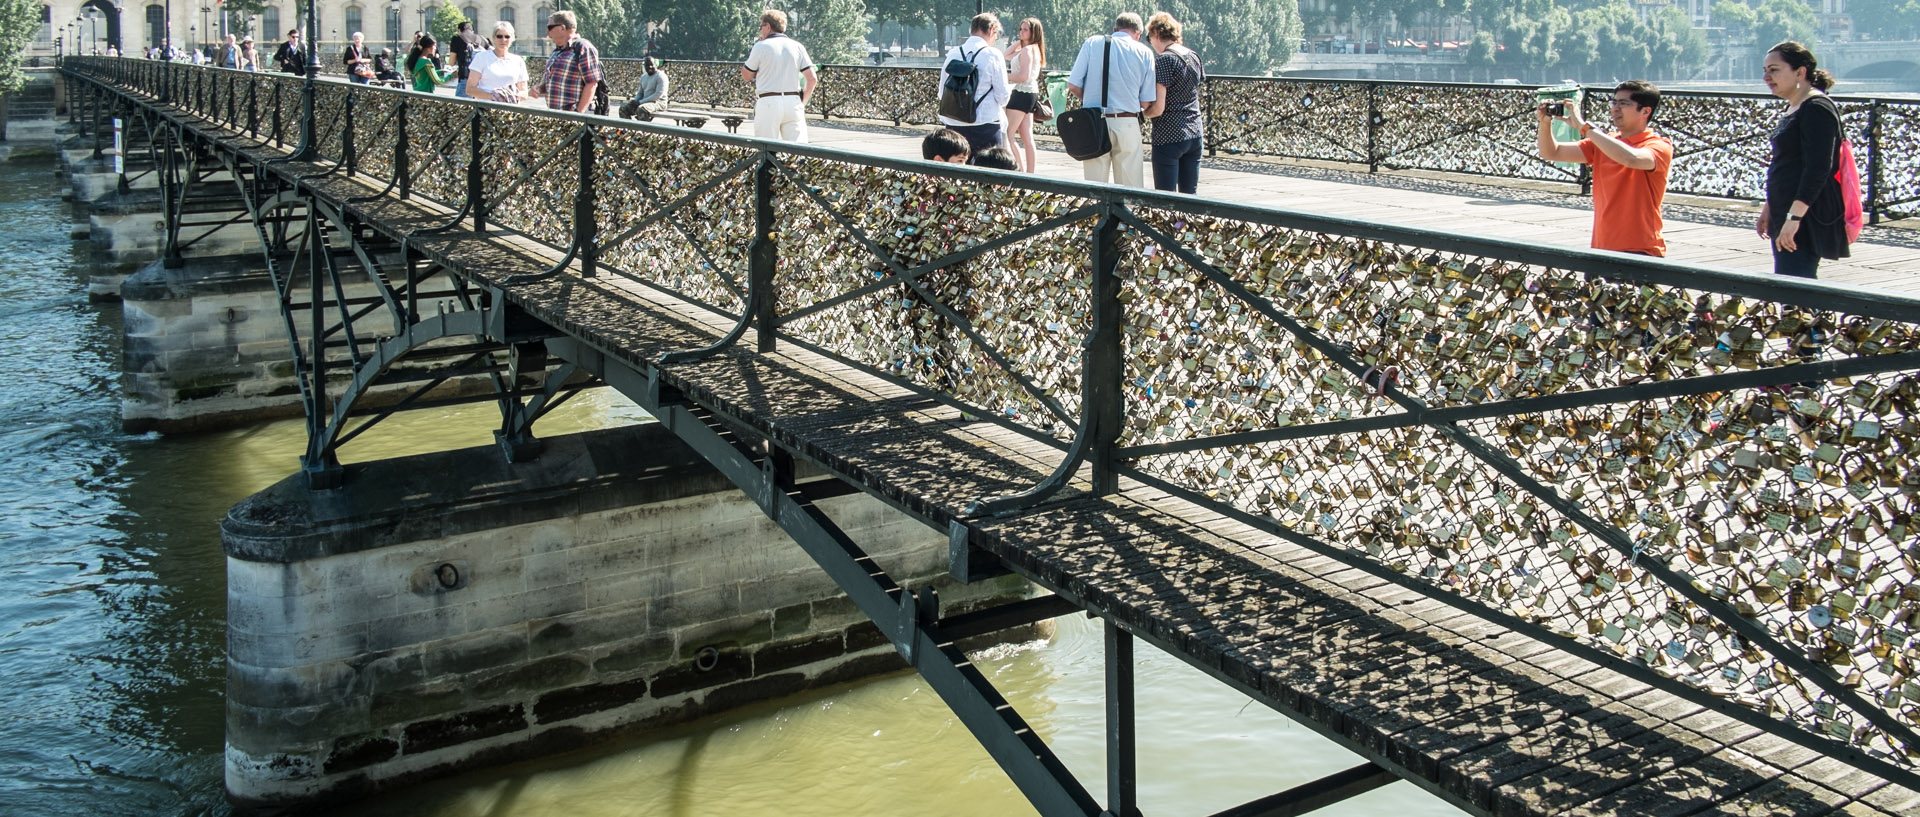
[496, 73]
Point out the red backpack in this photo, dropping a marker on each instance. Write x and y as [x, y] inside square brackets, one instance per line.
[1849, 178]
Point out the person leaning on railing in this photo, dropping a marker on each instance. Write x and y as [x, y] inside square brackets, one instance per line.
[426, 75]
[1803, 214]
[497, 73]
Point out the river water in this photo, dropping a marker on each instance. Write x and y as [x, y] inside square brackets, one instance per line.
[112, 631]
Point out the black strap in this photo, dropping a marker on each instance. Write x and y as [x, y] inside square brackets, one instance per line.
[1106, 71]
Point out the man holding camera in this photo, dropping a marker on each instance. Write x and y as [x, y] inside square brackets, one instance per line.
[1629, 166]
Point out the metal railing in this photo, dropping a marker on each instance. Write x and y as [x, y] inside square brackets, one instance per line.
[1706, 480]
[1720, 140]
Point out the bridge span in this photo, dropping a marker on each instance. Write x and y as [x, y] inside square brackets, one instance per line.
[1542, 530]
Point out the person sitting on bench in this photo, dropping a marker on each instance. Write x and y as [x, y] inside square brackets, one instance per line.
[652, 94]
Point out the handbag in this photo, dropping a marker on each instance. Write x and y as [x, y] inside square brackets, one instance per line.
[1083, 130]
[1043, 112]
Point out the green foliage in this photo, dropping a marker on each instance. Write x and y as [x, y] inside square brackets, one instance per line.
[705, 29]
[1480, 49]
[1734, 16]
[1780, 20]
[1896, 19]
[1231, 36]
[19, 22]
[1593, 40]
[447, 18]
[615, 27]
[832, 30]
[240, 17]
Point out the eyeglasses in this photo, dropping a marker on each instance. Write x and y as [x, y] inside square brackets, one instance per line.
[552, 26]
[503, 36]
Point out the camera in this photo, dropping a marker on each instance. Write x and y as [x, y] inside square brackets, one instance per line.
[1557, 107]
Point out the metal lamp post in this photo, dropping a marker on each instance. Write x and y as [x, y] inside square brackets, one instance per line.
[93, 31]
[393, 25]
[166, 34]
[203, 22]
[193, 36]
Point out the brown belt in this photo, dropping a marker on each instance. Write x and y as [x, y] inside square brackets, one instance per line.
[779, 93]
[1133, 115]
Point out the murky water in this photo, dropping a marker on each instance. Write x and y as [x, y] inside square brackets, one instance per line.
[111, 631]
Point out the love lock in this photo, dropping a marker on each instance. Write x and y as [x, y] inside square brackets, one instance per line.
[1376, 379]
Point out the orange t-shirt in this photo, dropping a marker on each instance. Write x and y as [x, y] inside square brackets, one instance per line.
[1626, 202]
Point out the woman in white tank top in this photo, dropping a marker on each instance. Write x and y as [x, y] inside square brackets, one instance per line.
[1027, 61]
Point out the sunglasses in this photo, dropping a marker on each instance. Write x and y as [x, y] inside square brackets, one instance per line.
[503, 36]
[552, 26]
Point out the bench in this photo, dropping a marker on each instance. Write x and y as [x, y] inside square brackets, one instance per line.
[690, 119]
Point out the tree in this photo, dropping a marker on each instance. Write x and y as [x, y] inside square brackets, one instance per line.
[832, 30]
[707, 29]
[1897, 19]
[1734, 16]
[615, 27]
[1231, 36]
[446, 18]
[1481, 49]
[1782, 20]
[19, 22]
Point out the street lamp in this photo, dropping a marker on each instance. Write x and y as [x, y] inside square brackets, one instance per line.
[203, 22]
[193, 36]
[393, 26]
[93, 31]
[166, 36]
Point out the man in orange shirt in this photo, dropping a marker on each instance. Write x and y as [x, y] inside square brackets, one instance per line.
[1629, 167]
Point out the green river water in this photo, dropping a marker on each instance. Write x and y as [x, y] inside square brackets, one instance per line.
[112, 631]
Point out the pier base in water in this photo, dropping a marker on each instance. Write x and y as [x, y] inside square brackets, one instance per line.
[452, 610]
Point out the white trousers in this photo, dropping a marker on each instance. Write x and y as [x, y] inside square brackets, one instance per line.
[1126, 162]
[784, 118]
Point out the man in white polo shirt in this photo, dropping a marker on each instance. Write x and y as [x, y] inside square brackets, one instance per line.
[1128, 76]
[783, 79]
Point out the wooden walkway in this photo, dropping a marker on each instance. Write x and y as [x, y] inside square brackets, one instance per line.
[1492, 721]
[1887, 257]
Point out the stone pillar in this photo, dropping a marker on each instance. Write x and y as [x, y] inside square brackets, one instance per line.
[451, 610]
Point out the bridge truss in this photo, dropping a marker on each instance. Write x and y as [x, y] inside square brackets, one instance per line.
[1703, 481]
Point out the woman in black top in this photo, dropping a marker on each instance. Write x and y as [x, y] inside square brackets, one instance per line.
[1175, 110]
[1803, 214]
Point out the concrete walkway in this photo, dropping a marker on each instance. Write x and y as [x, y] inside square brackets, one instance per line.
[1708, 232]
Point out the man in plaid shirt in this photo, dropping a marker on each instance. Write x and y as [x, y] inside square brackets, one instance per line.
[574, 69]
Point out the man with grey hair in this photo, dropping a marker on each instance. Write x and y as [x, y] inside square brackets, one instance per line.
[783, 81]
[1121, 67]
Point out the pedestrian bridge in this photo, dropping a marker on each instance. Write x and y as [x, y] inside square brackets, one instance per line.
[1544, 531]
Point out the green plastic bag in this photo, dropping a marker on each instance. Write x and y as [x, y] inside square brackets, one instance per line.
[1562, 131]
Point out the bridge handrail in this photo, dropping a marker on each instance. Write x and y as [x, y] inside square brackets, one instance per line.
[1720, 138]
[1704, 479]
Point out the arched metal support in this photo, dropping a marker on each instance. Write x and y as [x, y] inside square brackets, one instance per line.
[763, 257]
[1101, 415]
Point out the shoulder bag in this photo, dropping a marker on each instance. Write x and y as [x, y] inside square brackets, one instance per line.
[1083, 130]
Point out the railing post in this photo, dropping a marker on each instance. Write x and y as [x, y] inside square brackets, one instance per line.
[320, 464]
[1122, 738]
[348, 159]
[585, 228]
[1103, 413]
[476, 190]
[1206, 111]
[763, 256]
[402, 176]
[1873, 162]
[1373, 128]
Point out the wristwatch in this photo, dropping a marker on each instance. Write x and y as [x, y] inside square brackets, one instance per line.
[1792, 217]
[1584, 127]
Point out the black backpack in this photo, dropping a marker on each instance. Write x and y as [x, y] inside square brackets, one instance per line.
[602, 96]
[958, 94]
